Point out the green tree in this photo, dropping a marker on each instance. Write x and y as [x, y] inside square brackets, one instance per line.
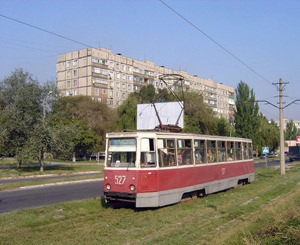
[223, 127]
[21, 102]
[246, 114]
[79, 125]
[198, 117]
[127, 111]
[291, 131]
[268, 134]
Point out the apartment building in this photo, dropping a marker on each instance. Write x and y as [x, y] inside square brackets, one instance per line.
[109, 77]
[286, 121]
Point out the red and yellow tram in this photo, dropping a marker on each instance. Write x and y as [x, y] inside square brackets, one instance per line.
[154, 169]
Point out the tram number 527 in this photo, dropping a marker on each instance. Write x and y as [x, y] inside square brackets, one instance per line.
[120, 179]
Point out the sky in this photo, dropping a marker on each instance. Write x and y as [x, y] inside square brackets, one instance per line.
[254, 41]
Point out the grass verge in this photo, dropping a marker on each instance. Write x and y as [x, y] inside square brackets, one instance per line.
[31, 170]
[15, 185]
[263, 212]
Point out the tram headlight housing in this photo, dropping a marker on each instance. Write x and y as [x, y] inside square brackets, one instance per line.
[108, 186]
[132, 188]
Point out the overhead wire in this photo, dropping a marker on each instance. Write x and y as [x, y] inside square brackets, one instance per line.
[214, 41]
[44, 30]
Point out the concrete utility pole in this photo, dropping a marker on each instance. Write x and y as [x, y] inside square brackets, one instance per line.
[282, 158]
[281, 107]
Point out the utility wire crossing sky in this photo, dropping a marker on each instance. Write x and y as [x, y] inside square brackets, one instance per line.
[261, 37]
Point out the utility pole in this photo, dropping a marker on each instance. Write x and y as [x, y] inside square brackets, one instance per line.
[282, 158]
[281, 107]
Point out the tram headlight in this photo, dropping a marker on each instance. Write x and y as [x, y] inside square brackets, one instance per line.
[132, 187]
[108, 186]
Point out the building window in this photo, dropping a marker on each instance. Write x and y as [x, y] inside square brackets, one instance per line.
[124, 76]
[111, 102]
[104, 91]
[75, 72]
[129, 87]
[130, 69]
[99, 71]
[96, 91]
[123, 95]
[124, 67]
[111, 64]
[74, 92]
[75, 83]
[118, 84]
[68, 64]
[111, 74]
[117, 94]
[74, 63]
[111, 83]
[130, 78]
[68, 84]
[118, 75]
[111, 93]
[68, 73]
[123, 86]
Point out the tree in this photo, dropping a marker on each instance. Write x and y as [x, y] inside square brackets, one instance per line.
[268, 134]
[223, 127]
[79, 125]
[21, 112]
[198, 117]
[291, 131]
[246, 114]
[128, 109]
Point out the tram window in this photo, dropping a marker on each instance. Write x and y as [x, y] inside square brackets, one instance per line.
[221, 151]
[230, 151]
[200, 151]
[170, 143]
[184, 152]
[245, 151]
[148, 158]
[238, 150]
[250, 150]
[166, 151]
[211, 151]
[121, 153]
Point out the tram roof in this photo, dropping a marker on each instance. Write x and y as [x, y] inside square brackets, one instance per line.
[171, 134]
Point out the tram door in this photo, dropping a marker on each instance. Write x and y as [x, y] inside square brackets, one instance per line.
[148, 176]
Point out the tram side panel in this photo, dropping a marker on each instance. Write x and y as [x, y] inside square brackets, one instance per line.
[173, 183]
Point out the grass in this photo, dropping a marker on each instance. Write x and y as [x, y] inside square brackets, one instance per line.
[12, 171]
[263, 212]
[15, 185]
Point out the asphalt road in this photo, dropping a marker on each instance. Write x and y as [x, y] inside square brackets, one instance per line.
[40, 196]
[36, 197]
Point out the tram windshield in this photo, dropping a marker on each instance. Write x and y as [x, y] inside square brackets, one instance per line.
[121, 153]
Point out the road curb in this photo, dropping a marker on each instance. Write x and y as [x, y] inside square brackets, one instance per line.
[59, 183]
